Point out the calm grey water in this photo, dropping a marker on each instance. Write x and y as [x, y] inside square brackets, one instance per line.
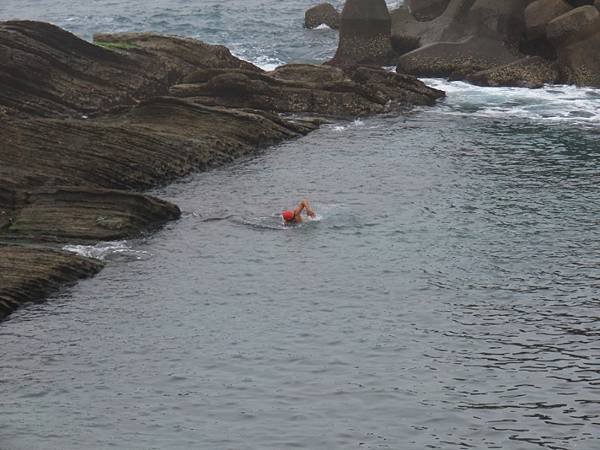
[447, 296]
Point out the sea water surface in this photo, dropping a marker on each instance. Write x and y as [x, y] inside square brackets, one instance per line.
[447, 296]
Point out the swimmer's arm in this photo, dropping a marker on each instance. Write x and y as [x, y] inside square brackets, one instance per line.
[308, 209]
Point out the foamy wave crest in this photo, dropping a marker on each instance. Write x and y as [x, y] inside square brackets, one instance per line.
[551, 104]
[268, 63]
[108, 250]
[355, 123]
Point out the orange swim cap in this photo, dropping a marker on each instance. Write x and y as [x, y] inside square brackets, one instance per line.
[288, 215]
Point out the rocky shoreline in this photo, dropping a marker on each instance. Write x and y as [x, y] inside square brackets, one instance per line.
[88, 127]
[522, 43]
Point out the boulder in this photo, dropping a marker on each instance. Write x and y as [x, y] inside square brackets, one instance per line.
[492, 19]
[322, 14]
[456, 59]
[529, 72]
[539, 13]
[502, 20]
[449, 26]
[574, 26]
[365, 34]
[576, 37]
[425, 10]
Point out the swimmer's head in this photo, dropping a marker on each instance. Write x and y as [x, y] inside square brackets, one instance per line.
[288, 216]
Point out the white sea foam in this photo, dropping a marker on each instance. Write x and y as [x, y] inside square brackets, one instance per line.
[550, 104]
[108, 250]
[355, 123]
[323, 27]
[268, 63]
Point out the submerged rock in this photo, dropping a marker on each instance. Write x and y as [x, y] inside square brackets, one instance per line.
[322, 14]
[365, 34]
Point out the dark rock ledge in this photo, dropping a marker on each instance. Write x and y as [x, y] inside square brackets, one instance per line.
[86, 128]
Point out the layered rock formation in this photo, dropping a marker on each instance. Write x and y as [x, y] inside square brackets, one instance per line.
[49, 72]
[322, 14]
[31, 274]
[489, 41]
[301, 88]
[86, 127]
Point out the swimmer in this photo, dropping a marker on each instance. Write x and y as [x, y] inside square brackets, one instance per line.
[294, 217]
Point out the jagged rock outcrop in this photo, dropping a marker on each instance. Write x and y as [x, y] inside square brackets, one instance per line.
[31, 274]
[80, 78]
[322, 14]
[576, 37]
[530, 72]
[365, 34]
[300, 88]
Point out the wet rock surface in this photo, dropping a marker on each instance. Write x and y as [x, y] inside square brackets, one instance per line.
[455, 59]
[530, 72]
[30, 274]
[576, 37]
[80, 78]
[299, 88]
[478, 34]
[86, 128]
